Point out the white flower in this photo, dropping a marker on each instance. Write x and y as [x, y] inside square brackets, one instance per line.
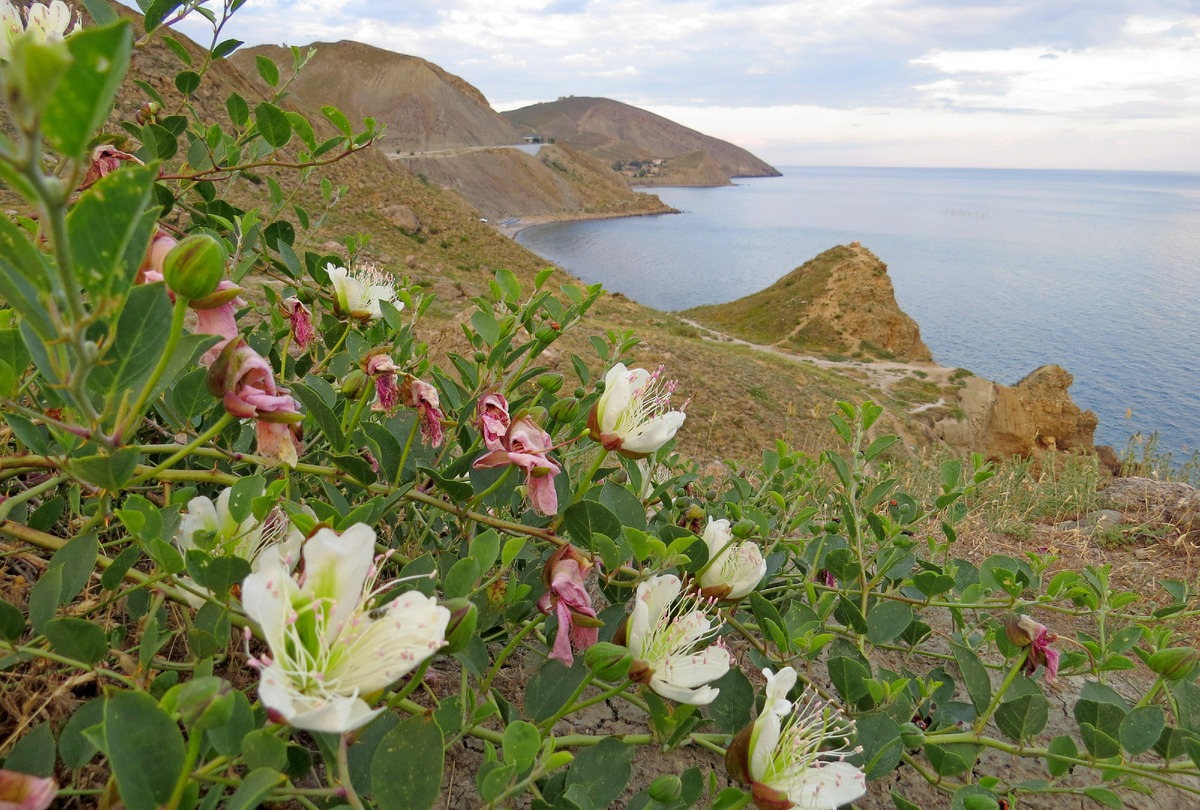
[358, 292]
[632, 416]
[797, 751]
[257, 542]
[733, 569]
[43, 23]
[330, 645]
[664, 630]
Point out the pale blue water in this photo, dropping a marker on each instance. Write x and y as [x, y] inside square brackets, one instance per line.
[1004, 270]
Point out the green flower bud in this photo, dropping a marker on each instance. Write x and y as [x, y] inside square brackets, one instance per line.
[480, 357]
[579, 393]
[354, 383]
[666, 789]
[1174, 663]
[464, 617]
[546, 334]
[564, 410]
[911, 735]
[609, 662]
[744, 528]
[194, 267]
[551, 382]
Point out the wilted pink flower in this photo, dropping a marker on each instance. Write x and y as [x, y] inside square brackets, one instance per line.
[216, 315]
[526, 445]
[423, 397]
[1024, 631]
[22, 791]
[492, 420]
[300, 317]
[567, 596]
[245, 382]
[387, 393]
[106, 159]
[151, 269]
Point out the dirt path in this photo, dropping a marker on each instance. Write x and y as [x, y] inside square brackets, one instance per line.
[881, 374]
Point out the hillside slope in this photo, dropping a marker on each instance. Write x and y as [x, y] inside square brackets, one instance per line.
[424, 107]
[635, 139]
[841, 301]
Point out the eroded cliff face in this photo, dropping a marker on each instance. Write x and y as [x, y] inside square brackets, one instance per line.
[1029, 419]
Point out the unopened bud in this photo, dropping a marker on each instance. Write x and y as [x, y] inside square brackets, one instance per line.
[911, 735]
[666, 789]
[1174, 663]
[354, 383]
[550, 382]
[464, 617]
[148, 113]
[609, 662]
[564, 410]
[744, 528]
[194, 267]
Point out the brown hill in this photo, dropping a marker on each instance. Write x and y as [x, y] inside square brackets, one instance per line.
[647, 147]
[424, 107]
[841, 301]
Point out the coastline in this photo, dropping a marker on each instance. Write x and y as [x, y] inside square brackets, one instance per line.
[514, 225]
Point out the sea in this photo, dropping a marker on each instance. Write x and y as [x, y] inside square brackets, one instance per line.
[1004, 270]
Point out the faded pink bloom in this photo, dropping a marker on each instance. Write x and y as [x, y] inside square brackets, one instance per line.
[216, 315]
[300, 317]
[245, 382]
[387, 393]
[22, 791]
[1026, 632]
[106, 159]
[151, 269]
[423, 397]
[526, 445]
[567, 596]
[492, 420]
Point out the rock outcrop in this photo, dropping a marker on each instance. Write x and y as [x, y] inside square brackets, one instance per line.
[840, 302]
[1028, 419]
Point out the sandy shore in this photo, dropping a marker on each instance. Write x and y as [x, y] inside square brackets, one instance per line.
[513, 226]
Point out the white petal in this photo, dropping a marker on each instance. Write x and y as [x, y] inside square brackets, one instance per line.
[654, 433]
[779, 684]
[267, 600]
[331, 714]
[388, 648]
[763, 739]
[228, 526]
[654, 596]
[717, 535]
[680, 694]
[336, 568]
[694, 670]
[201, 516]
[827, 787]
[616, 397]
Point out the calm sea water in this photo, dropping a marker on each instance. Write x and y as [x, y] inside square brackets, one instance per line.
[1004, 270]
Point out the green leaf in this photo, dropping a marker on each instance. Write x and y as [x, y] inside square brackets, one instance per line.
[975, 676]
[65, 577]
[584, 518]
[1061, 746]
[228, 739]
[255, 787]
[624, 504]
[238, 109]
[887, 620]
[879, 736]
[1141, 728]
[1024, 716]
[1101, 745]
[551, 687]
[75, 747]
[521, 744]
[187, 81]
[262, 749]
[461, 578]
[83, 98]
[12, 622]
[953, 759]
[406, 772]
[226, 47]
[603, 770]
[23, 273]
[1105, 796]
[157, 11]
[931, 584]
[848, 677]
[730, 711]
[34, 753]
[334, 116]
[77, 638]
[273, 124]
[267, 69]
[330, 425]
[101, 11]
[158, 740]
[110, 472]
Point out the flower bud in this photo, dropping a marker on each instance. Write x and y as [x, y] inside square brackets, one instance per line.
[354, 383]
[744, 528]
[464, 617]
[480, 357]
[666, 789]
[911, 735]
[550, 382]
[194, 267]
[564, 410]
[1019, 629]
[1174, 663]
[608, 662]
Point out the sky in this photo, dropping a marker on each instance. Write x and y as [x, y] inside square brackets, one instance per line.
[1070, 84]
